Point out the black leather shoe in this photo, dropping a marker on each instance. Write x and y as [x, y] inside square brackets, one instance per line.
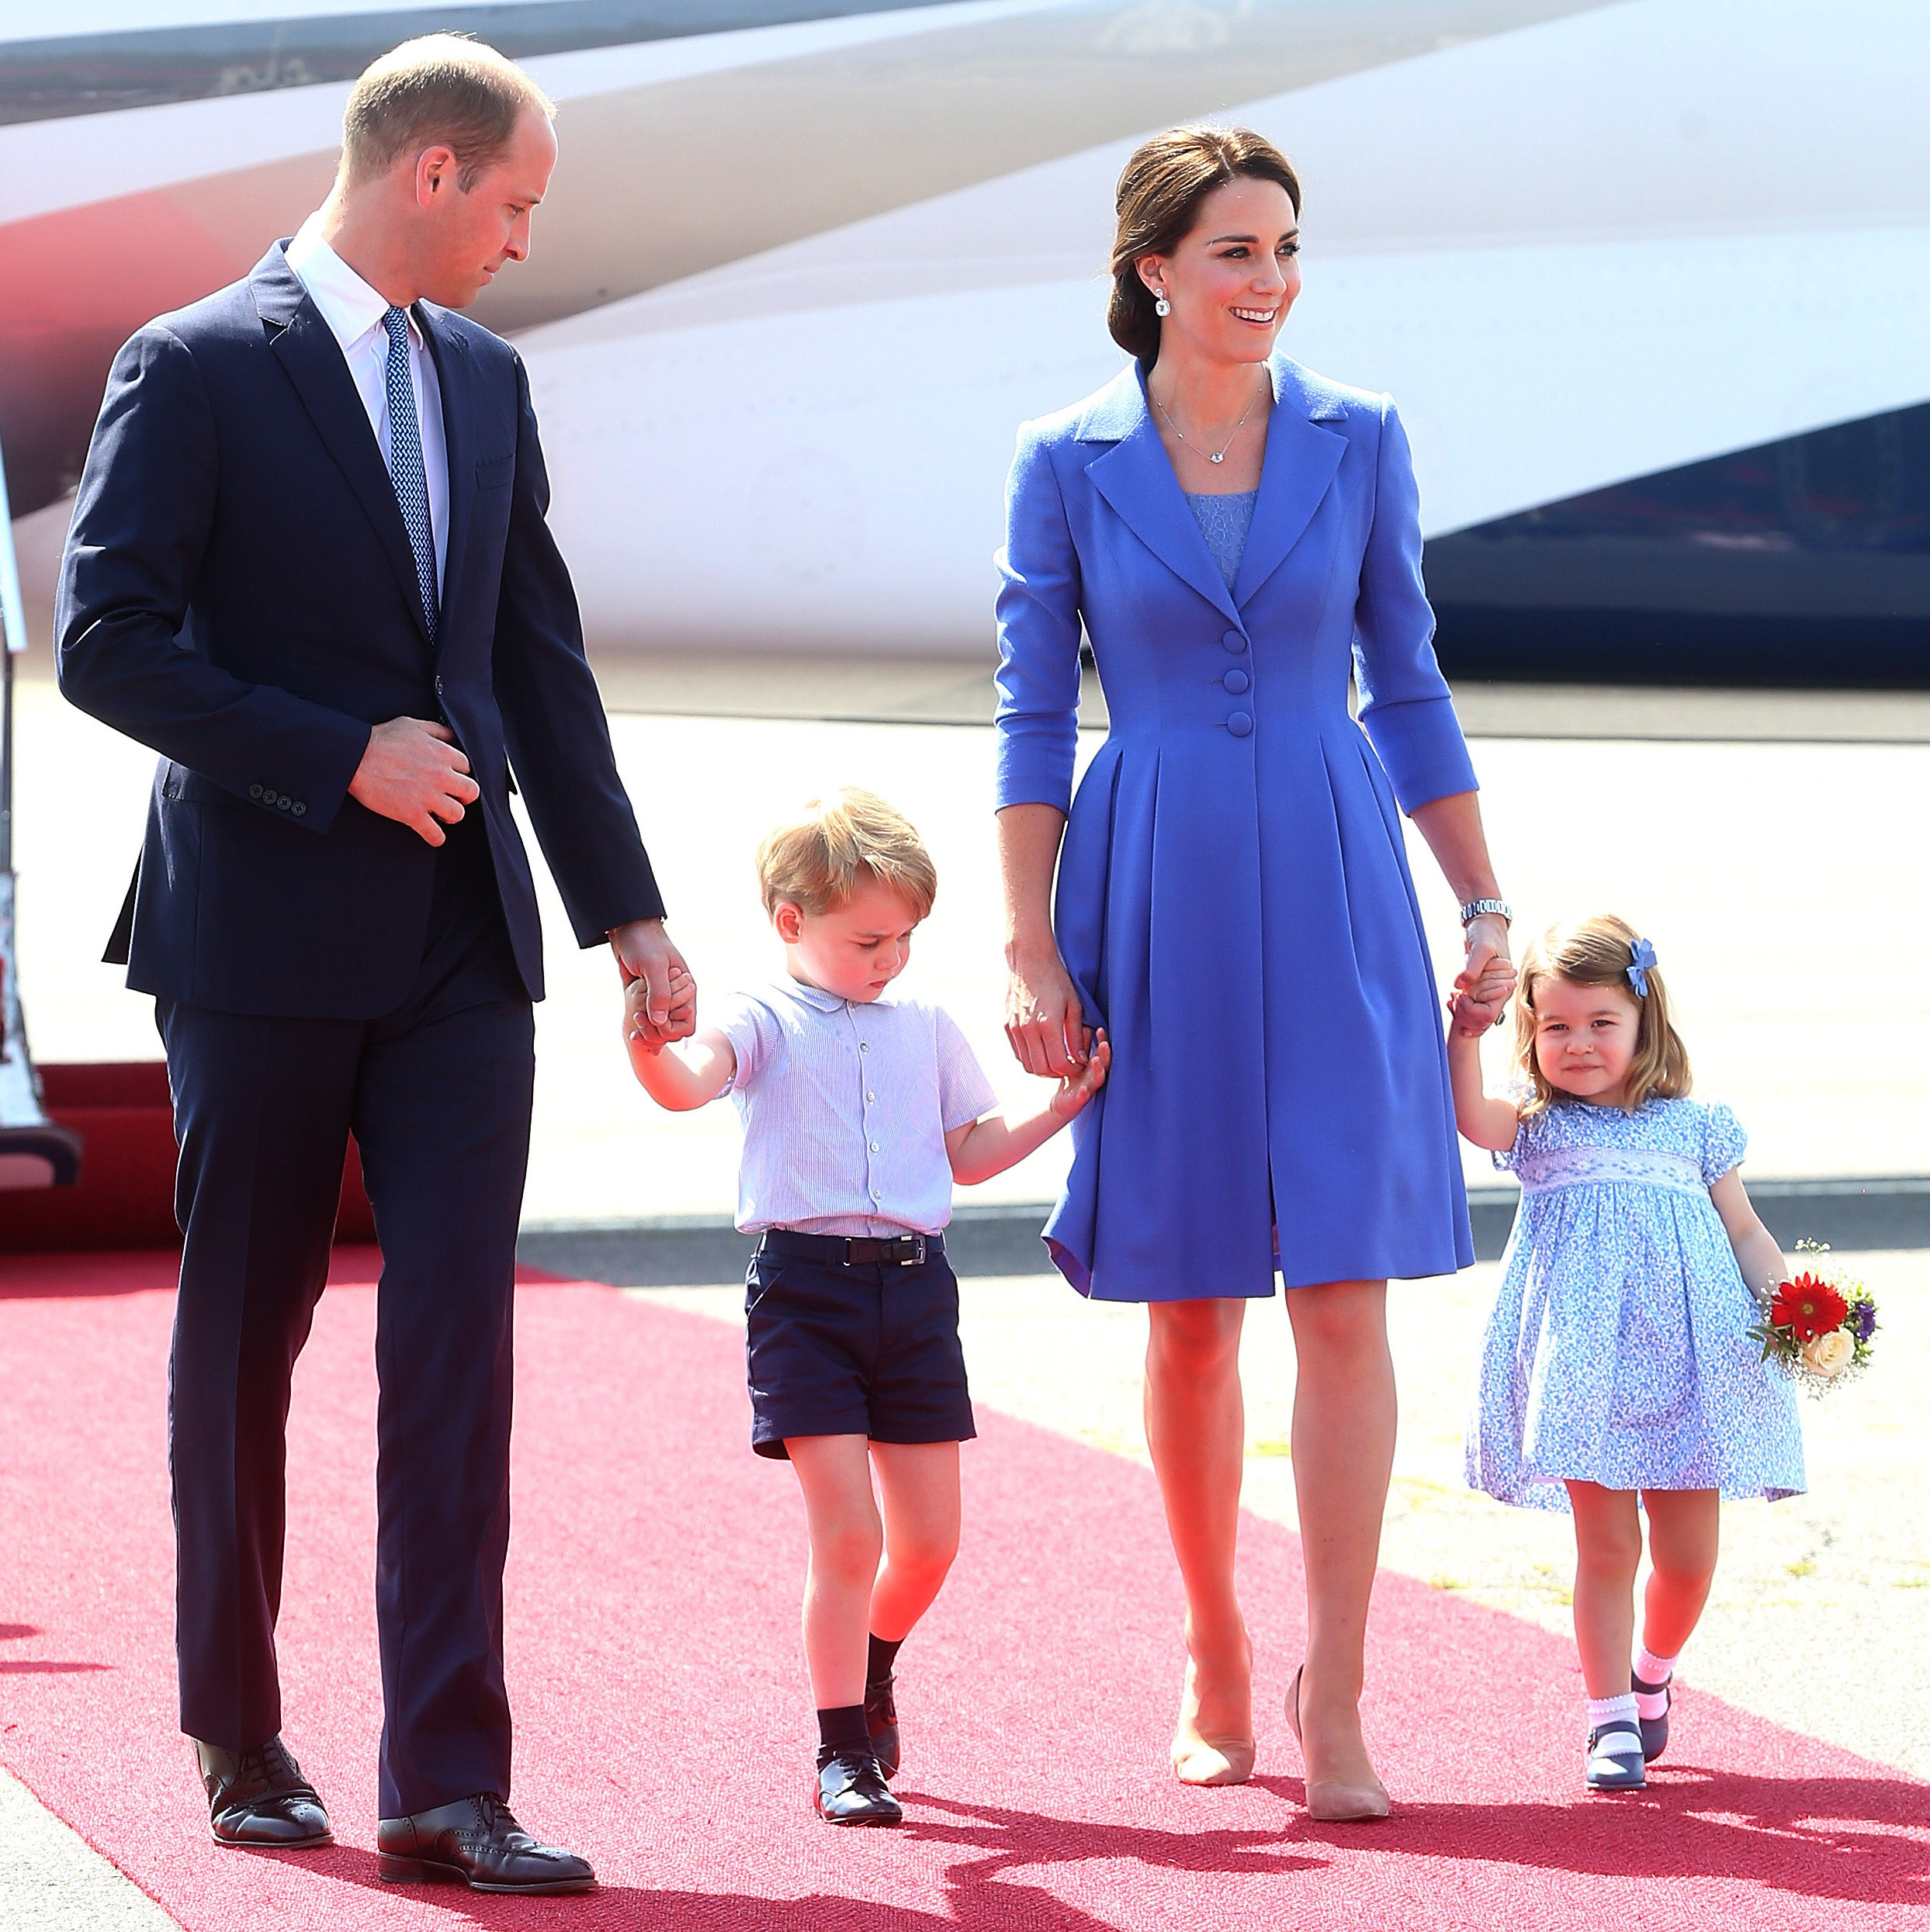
[258, 1799]
[850, 1790]
[475, 1842]
[881, 1720]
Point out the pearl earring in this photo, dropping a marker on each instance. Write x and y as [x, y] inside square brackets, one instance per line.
[1163, 306]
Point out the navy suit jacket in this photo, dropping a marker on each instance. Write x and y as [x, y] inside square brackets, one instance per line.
[238, 593]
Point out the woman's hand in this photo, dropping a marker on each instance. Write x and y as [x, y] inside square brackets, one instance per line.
[1045, 1018]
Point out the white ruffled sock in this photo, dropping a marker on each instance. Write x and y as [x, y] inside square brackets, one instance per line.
[1651, 1669]
[1605, 1711]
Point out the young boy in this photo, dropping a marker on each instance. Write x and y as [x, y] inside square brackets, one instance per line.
[860, 1109]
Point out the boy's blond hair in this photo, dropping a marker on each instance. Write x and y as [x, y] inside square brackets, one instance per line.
[1598, 952]
[816, 860]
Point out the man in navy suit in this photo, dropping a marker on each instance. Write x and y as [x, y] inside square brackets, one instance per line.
[309, 564]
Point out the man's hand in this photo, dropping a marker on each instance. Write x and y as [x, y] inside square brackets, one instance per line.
[413, 773]
[644, 952]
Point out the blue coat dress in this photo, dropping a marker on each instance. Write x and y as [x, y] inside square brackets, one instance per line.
[1234, 900]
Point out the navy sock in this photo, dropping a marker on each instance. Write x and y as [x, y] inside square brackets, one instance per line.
[878, 1665]
[842, 1728]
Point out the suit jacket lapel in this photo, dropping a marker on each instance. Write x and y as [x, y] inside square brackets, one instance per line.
[1136, 477]
[1298, 470]
[450, 355]
[306, 349]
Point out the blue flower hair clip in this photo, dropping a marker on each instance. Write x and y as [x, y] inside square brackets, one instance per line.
[1641, 960]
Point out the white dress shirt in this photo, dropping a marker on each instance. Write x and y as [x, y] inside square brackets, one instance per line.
[845, 1106]
[354, 312]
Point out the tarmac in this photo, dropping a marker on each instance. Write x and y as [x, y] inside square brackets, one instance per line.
[1771, 846]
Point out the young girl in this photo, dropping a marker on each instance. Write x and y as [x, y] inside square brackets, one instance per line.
[1616, 1362]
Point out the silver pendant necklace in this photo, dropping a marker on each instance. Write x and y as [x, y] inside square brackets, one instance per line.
[1209, 454]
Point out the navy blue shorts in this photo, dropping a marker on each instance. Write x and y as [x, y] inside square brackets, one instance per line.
[854, 1348]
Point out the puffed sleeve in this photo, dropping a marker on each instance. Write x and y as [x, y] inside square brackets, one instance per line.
[1406, 709]
[1526, 1134]
[1723, 1143]
[1037, 716]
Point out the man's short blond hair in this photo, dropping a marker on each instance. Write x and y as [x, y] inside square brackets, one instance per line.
[817, 859]
[443, 90]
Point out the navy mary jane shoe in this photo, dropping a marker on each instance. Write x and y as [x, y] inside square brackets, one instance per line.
[1615, 1761]
[1654, 1729]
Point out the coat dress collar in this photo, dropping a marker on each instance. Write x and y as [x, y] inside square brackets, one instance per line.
[1136, 477]
[308, 349]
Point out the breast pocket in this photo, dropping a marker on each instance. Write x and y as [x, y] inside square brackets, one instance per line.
[498, 474]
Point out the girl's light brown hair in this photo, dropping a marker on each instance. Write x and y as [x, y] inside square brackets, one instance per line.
[816, 860]
[1598, 952]
[1158, 201]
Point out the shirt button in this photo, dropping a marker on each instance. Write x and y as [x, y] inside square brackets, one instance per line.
[864, 1046]
[438, 687]
[874, 1146]
[1234, 641]
[1239, 724]
[871, 1096]
[1236, 680]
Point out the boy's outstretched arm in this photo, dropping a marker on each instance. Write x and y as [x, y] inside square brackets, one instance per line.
[984, 1147]
[1483, 1119]
[682, 1075]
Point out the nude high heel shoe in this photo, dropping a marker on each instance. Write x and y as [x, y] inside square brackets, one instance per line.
[1331, 1802]
[1199, 1759]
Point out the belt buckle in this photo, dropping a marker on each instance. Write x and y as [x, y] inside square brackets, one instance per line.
[909, 1250]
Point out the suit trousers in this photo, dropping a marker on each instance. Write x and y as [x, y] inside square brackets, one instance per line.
[438, 1095]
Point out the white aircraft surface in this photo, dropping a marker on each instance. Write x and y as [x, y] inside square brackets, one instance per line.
[1647, 279]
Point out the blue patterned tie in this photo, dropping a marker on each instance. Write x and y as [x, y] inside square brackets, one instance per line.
[405, 463]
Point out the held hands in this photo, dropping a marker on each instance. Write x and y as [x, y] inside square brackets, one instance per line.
[678, 1011]
[1082, 1083]
[1486, 980]
[647, 960]
[412, 772]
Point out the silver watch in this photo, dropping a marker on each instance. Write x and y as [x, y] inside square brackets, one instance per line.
[1475, 908]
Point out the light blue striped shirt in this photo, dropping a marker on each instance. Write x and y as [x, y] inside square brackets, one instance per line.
[845, 1106]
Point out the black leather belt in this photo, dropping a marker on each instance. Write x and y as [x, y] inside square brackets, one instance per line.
[899, 1251]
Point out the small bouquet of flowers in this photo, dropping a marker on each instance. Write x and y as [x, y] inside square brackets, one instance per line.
[1817, 1327]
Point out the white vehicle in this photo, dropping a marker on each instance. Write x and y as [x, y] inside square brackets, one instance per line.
[1648, 280]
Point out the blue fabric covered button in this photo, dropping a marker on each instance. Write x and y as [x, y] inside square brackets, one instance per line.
[1236, 680]
[1240, 724]
[1235, 640]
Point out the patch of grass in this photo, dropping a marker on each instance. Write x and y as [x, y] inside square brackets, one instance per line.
[1445, 1583]
[1270, 1449]
[1912, 1582]
[1801, 1568]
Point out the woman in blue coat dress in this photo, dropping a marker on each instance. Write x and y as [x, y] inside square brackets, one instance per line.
[1235, 533]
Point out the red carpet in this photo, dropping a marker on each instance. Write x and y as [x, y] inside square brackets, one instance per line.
[664, 1722]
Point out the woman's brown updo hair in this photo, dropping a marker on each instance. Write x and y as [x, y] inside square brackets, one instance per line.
[1158, 201]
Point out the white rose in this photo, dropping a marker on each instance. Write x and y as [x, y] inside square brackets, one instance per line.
[1829, 1355]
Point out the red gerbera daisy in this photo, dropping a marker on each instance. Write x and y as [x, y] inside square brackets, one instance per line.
[1808, 1307]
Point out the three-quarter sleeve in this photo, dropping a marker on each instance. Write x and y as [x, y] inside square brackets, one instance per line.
[1038, 615]
[1405, 708]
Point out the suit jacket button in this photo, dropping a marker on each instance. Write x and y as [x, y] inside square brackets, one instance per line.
[438, 687]
[298, 808]
[254, 791]
[284, 802]
[1239, 724]
[1234, 641]
[1236, 680]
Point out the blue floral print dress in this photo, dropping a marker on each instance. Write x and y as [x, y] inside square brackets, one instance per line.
[1616, 1350]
